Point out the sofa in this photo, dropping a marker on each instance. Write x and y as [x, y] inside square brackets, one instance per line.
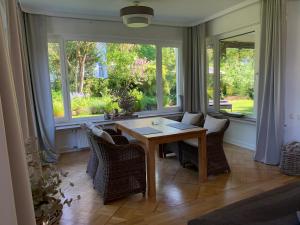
[275, 207]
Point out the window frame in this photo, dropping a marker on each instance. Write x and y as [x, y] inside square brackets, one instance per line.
[62, 39]
[215, 41]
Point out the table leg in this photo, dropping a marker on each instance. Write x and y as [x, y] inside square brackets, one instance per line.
[202, 157]
[151, 170]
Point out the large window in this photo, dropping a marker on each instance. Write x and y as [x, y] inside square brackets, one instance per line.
[99, 74]
[233, 85]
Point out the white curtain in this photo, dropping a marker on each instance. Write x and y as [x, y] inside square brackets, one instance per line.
[195, 96]
[11, 70]
[7, 204]
[270, 114]
[36, 38]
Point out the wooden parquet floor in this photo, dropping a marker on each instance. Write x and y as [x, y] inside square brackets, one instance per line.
[179, 196]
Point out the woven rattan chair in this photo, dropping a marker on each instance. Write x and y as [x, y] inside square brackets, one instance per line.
[216, 159]
[121, 169]
[173, 147]
[93, 159]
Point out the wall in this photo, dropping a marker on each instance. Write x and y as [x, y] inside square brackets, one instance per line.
[292, 81]
[241, 18]
[106, 30]
[241, 133]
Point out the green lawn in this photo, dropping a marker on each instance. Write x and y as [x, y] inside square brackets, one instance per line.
[244, 106]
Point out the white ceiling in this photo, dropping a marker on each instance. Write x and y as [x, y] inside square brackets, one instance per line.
[167, 12]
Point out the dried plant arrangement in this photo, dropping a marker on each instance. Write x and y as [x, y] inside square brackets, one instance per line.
[47, 193]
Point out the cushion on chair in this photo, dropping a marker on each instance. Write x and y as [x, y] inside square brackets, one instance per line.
[214, 125]
[89, 125]
[191, 118]
[192, 142]
[102, 134]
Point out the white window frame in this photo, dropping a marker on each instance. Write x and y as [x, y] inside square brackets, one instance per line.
[216, 48]
[108, 39]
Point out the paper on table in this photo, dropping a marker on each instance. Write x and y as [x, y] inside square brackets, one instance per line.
[146, 130]
[181, 126]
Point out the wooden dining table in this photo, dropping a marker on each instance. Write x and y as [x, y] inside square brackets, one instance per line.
[165, 134]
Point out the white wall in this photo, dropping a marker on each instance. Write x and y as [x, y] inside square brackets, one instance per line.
[241, 18]
[241, 133]
[71, 140]
[106, 30]
[292, 81]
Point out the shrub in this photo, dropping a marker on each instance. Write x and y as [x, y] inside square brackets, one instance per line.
[58, 109]
[148, 103]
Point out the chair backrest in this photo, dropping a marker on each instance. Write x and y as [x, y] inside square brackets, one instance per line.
[220, 116]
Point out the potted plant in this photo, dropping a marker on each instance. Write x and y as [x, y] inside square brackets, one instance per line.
[47, 194]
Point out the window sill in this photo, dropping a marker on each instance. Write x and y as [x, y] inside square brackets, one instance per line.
[247, 120]
[243, 119]
[76, 124]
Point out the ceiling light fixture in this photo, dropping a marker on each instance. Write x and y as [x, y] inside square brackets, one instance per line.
[137, 16]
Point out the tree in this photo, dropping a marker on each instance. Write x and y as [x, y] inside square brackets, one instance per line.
[237, 70]
[82, 57]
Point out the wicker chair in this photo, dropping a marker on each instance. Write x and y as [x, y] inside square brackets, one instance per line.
[216, 159]
[93, 159]
[174, 146]
[121, 168]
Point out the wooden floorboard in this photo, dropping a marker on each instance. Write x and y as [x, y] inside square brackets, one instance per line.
[179, 196]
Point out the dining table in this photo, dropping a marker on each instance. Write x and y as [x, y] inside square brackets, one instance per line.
[155, 131]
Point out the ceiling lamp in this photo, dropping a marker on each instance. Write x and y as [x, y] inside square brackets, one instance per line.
[136, 16]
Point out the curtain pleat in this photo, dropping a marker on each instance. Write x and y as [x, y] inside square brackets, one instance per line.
[36, 37]
[195, 96]
[270, 113]
[10, 69]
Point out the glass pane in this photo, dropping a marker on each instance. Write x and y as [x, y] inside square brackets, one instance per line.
[169, 76]
[210, 74]
[237, 74]
[108, 76]
[56, 79]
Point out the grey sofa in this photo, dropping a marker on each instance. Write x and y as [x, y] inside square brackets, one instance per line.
[275, 207]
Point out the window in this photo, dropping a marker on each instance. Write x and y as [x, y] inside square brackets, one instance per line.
[233, 85]
[169, 76]
[99, 74]
[56, 79]
[210, 73]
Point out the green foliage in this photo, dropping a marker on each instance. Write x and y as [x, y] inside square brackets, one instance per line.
[148, 52]
[82, 57]
[169, 76]
[95, 87]
[58, 107]
[244, 106]
[148, 103]
[237, 70]
[131, 68]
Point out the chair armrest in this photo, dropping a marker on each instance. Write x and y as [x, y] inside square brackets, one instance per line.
[115, 152]
[214, 137]
[120, 140]
[111, 131]
[126, 152]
